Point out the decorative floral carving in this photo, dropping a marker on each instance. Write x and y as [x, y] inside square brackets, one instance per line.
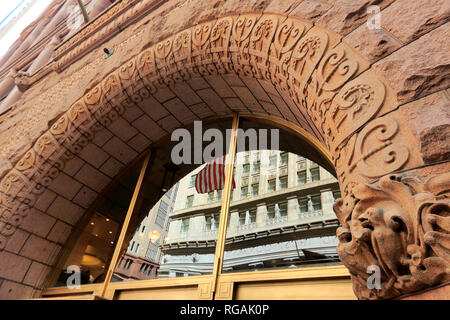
[401, 225]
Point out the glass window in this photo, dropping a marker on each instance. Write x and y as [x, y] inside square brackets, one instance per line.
[283, 159]
[245, 170]
[162, 214]
[336, 194]
[189, 201]
[256, 167]
[301, 177]
[255, 189]
[271, 211]
[273, 161]
[283, 208]
[303, 204]
[192, 181]
[315, 176]
[271, 185]
[283, 182]
[185, 225]
[316, 202]
[244, 192]
[247, 217]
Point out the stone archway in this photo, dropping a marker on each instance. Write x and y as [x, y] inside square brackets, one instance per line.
[395, 221]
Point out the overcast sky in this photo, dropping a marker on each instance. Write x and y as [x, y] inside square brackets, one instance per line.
[6, 7]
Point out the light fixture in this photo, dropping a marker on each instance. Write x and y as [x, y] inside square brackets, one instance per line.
[112, 242]
[110, 232]
[154, 236]
[107, 220]
[92, 223]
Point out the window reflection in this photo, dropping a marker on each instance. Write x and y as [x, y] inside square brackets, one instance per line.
[287, 221]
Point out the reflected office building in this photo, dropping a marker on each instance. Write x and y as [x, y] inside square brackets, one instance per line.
[281, 216]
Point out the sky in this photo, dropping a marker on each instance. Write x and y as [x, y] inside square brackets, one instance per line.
[6, 7]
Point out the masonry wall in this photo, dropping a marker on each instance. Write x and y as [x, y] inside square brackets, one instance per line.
[410, 51]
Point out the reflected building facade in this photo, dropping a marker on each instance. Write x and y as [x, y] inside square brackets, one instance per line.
[281, 215]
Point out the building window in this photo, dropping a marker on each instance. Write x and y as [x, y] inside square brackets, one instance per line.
[271, 185]
[275, 210]
[184, 225]
[283, 159]
[316, 202]
[210, 197]
[212, 223]
[283, 208]
[192, 181]
[336, 195]
[132, 245]
[137, 248]
[244, 192]
[273, 161]
[189, 201]
[271, 211]
[247, 217]
[162, 213]
[301, 177]
[245, 170]
[256, 167]
[255, 189]
[303, 204]
[152, 251]
[143, 229]
[315, 176]
[283, 182]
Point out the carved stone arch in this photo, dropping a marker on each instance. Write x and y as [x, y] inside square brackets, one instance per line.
[331, 92]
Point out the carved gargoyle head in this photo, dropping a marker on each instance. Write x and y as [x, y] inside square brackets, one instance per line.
[401, 225]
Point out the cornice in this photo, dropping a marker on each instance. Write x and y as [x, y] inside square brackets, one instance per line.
[99, 30]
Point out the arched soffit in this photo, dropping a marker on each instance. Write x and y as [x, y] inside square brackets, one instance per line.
[332, 93]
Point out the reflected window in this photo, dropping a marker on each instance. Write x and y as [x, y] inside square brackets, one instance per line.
[283, 182]
[316, 202]
[189, 201]
[336, 195]
[271, 185]
[256, 167]
[185, 225]
[244, 192]
[315, 176]
[301, 177]
[255, 189]
[273, 161]
[283, 159]
[192, 181]
[245, 170]
[303, 204]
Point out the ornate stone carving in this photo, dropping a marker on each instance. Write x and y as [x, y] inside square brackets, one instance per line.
[401, 225]
[326, 82]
